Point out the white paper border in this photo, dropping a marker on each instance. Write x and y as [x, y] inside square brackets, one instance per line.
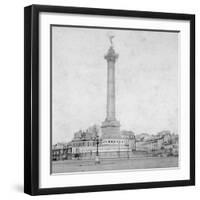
[135, 176]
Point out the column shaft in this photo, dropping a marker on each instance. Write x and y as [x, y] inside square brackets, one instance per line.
[111, 91]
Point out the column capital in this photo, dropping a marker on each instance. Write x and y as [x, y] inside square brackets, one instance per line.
[111, 55]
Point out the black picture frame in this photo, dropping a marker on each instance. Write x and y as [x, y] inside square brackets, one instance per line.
[31, 98]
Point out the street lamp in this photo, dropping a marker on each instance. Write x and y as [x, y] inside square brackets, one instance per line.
[128, 149]
[97, 161]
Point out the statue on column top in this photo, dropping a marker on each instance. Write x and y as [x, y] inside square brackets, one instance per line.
[111, 39]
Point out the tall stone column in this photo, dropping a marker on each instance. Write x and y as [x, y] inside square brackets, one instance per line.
[111, 57]
[110, 127]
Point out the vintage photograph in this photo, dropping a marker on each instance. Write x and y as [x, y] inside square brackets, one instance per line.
[114, 99]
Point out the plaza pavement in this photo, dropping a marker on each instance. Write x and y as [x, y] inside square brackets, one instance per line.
[113, 164]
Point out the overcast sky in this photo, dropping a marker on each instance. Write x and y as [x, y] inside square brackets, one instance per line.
[146, 80]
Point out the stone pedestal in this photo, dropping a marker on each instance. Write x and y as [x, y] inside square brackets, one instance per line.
[110, 129]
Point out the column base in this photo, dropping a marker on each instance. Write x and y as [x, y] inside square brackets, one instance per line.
[110, 129]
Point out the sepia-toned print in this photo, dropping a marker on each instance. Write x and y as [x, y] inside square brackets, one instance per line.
[114, 99]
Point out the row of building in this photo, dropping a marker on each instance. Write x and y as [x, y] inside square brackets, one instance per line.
[86, 144]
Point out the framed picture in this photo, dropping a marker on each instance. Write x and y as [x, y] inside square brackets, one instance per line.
[109, 100]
